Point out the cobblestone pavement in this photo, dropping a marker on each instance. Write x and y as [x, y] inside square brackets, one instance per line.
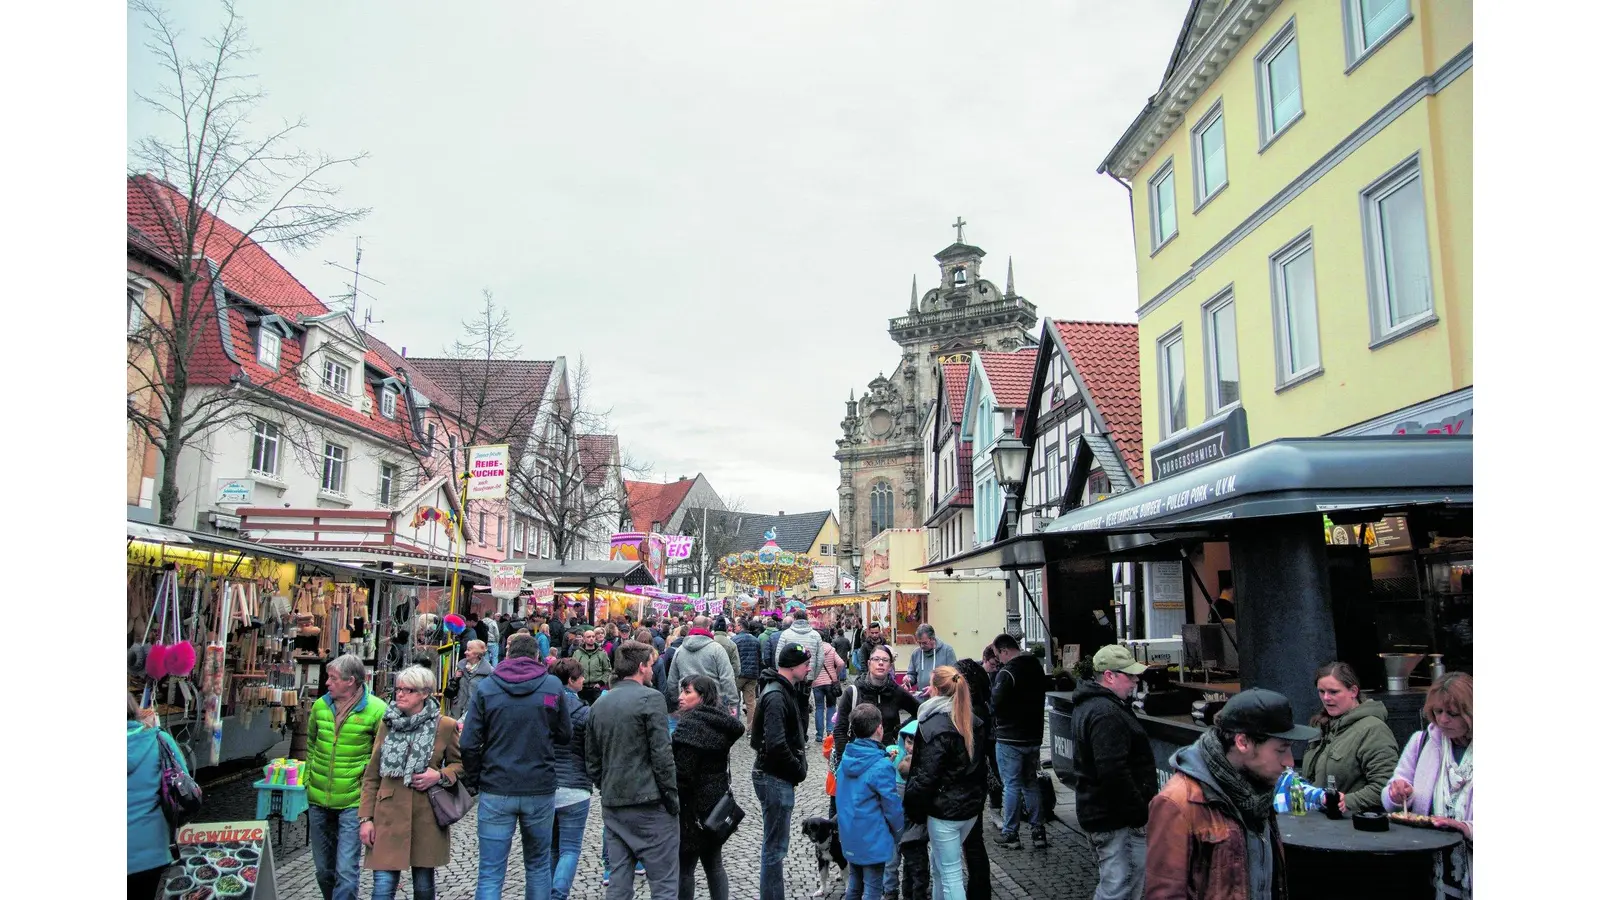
[1065, 870]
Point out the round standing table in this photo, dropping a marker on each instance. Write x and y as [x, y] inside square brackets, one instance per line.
[1330, 858]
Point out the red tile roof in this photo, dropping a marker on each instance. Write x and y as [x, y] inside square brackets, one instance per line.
[963, 474]
[955, 389]
[597, 453]
[492, 397]
[252, 274]
[650, 502]
[1106, 355]
[1010, 376]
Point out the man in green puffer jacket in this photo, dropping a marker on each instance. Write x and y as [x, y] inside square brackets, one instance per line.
[344, 722]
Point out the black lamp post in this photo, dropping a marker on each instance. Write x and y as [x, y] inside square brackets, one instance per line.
[1010, 457]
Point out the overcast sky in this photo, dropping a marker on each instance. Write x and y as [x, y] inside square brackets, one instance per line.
[717, 205]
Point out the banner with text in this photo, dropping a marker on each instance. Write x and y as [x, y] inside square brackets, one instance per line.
[679, 546]
[714, 607]
[490, 470]
[505, 580]
[224, 859]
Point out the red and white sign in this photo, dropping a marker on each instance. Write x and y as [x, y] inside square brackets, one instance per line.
[490, 470]
[505, 580]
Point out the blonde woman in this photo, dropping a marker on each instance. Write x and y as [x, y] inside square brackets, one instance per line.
[415, 749]
[1434, 775]
[946, 778]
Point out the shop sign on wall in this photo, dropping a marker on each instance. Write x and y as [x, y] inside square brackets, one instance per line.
[235, 491]
[1206, 442]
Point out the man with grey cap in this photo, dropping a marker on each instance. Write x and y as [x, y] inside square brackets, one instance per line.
[1223, 786]
[1116, 772]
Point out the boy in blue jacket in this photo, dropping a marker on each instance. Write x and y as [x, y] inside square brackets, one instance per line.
[870, 815]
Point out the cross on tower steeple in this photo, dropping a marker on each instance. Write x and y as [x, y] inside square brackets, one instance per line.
[960, 227]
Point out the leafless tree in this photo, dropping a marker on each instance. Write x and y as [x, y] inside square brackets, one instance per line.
[716, 534]
[211, 163]
[554, 483]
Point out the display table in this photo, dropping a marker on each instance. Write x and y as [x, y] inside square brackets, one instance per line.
[1330, 858]
[284, 802]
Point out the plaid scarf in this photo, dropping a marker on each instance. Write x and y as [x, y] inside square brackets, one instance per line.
[409, 744]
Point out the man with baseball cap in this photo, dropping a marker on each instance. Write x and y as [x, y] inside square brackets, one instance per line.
[776, 733]
[1116, 772]
[1223, 785]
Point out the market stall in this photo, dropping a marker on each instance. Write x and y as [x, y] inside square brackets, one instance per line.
[227, 638]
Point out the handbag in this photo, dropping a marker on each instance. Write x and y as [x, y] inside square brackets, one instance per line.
[723, 819]
[450, 804]
[179, 793]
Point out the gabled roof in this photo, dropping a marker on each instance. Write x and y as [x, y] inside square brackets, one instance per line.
[955, 390]
[254, 282]
[1106, 357]
[651, 502]
[501, 394]
[1010, 376]
[597, 454]
[796, 531]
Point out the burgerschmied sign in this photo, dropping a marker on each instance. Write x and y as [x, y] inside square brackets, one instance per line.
[490, 470]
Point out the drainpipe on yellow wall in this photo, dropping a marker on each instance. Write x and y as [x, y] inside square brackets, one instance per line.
[1128, 186]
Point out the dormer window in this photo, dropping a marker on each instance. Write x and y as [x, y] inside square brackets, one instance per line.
[269, 346]
[336, 378]
[386, 402]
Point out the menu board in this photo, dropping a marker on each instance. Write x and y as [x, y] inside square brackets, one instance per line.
[1390, 534]
[1166, 585]
[222, 861]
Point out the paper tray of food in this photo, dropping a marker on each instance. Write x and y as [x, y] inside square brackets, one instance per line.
[1417, 820]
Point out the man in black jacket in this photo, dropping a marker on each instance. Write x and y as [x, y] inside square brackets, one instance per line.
[508, 758]
[780, 744]
[1116, 772]
[1018, 700]
[628, 753]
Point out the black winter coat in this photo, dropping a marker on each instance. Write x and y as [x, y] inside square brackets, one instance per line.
[944, 782]
[775, 730]
[571, 771]
[700, 748]
[894, 703]
[1116, 768]
[1019, 689]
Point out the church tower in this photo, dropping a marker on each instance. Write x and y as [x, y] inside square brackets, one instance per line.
[880, 452]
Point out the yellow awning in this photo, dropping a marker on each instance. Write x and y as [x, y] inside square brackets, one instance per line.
[844, 599]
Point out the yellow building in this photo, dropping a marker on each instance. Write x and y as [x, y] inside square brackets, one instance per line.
[1302, 217]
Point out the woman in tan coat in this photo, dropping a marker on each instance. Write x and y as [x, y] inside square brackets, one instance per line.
[416, 748]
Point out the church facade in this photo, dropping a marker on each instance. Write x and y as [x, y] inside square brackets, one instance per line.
[881, 467]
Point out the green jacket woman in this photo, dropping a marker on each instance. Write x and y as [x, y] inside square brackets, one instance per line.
[1356, 747]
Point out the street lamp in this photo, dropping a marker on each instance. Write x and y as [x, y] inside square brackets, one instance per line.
[1010, 457]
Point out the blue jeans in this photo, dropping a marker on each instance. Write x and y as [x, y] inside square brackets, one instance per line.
[336, 850]
[866, 882]
[1120, 857]
[494, 652]
[824, 714]
[777, 810]
[384, 883]
[498, 816]
[570, 821]
[945, 838]
[1019, 772]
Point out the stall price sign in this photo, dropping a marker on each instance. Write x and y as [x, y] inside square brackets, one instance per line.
[489, 468]
[231, 859]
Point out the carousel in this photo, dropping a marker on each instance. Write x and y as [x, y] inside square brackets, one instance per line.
[766, 573]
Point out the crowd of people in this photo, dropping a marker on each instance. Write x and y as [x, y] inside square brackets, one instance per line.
[646, 715]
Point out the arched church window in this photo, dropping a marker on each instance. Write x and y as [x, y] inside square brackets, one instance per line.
[882, 508]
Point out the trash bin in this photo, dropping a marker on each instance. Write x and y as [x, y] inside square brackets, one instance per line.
[1061, 750]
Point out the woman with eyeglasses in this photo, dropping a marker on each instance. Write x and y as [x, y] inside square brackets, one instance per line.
[416, 748]
[700, 746]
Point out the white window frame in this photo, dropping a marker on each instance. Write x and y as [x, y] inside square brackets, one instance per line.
[335, 461]
[519, 531]
[1157, 239]
[1212, 117]
[1278, 262]
[266, 337]
[1210, 344]
[1280, 42]
[1372, 198]
[388, 473]
[137, 291]
[1163, 382]
[499, 532]
[339, 387]
[1357, 47]
[264, 433]
[387, 399]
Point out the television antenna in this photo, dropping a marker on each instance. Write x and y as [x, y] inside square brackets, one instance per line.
[349, 301]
